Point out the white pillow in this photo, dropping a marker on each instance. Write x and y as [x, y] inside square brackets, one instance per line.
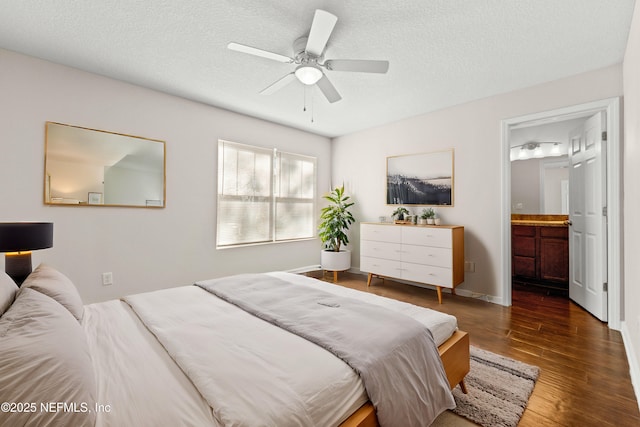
[45, 358]
[51, 282]
[8, 289]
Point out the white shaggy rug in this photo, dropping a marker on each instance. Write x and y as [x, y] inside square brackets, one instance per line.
[499, 388]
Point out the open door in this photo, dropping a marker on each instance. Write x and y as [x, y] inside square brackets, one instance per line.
[587, 216]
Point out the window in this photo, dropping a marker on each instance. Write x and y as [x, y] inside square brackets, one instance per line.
[264, 195]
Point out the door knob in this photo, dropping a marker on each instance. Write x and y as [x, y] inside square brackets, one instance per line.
[569, 222]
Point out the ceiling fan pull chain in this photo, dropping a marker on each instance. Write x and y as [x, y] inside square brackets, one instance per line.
[312, 106]
[304, 107]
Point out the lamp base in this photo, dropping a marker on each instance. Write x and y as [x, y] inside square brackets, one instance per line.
[17, 265]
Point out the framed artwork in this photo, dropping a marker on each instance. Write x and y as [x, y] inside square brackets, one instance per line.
[420, 179]
[94, 198]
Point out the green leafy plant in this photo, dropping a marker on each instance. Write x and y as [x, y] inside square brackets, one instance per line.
[428, 213]
[335, 220]
[400, 212]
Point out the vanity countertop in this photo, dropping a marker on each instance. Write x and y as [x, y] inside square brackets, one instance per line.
[540, 220]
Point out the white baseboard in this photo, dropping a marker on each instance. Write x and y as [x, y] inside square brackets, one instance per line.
[632, 357]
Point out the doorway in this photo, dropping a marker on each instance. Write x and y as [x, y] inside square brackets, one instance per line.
[611, 108]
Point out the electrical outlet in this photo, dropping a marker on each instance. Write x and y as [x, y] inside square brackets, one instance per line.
[469, 266]
[107, 279]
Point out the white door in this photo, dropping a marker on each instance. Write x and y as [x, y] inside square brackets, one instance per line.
[587, 215]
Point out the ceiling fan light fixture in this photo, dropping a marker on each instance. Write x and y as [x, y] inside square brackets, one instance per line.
[308, 74]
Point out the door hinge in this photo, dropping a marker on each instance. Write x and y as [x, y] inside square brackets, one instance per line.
[604, 211]
[604, 135]
[605, 286]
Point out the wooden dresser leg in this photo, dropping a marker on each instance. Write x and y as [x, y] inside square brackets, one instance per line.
[369, 279]
[439, 289]
[453, 291]
[335, 277]
[463, 387]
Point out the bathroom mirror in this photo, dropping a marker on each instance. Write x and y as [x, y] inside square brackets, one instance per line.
[90, 167]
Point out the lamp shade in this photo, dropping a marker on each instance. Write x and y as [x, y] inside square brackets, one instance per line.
[25, 236]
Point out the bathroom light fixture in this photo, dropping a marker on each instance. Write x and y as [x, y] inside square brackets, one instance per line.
[537, 152]
[523, 153]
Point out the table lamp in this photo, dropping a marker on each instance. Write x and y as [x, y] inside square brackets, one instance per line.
[17, 240]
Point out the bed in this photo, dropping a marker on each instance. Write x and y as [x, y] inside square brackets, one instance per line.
[111, 363]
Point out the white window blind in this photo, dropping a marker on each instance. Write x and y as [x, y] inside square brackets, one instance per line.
[264, 195]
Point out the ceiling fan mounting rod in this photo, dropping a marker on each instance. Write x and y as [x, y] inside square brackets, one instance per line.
[302, 56]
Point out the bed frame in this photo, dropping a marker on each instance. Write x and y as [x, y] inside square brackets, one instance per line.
[455, 358]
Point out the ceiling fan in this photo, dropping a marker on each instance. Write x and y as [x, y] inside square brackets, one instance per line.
[309, 57]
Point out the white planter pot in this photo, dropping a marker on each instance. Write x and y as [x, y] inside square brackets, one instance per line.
[422, 221]
[335, 261]
[430, 220]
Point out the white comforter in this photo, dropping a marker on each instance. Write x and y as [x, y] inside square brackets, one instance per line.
[268, 376]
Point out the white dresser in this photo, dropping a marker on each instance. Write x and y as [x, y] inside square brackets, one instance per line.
[419, 253]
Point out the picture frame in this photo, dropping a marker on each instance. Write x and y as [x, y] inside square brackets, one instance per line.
[94, 198]
[421, 179]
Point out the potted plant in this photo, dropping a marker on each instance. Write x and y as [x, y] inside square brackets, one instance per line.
[423, 217]
[430, 214]
[399, 213]
[335, 220]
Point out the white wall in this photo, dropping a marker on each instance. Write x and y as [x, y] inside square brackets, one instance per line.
[474, 131]
[144, 248]
[631, 324]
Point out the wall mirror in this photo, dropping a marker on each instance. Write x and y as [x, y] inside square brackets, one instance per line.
[89, 167]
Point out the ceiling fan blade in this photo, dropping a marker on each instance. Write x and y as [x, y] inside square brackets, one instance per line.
[359, 65]
[259, 52]
[321, 28]
[279, 84]
[328, 90]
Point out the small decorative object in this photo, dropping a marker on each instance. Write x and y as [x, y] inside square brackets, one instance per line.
[429, 214]
[95, 198]
[422, 220]
[420, 179]
[382, 218]
[436, 221]
[399, 214]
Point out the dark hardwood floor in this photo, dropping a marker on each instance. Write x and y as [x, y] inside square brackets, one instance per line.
[584, 378]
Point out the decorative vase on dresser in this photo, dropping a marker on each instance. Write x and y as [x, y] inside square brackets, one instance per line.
[432, 255]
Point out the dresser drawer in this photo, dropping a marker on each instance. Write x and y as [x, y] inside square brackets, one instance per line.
[427, 236]
[383, 267]
[438, 257]
[381, 233]
[371, 248]
[427, 274]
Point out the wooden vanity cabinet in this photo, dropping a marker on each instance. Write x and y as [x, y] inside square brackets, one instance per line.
[540, 254]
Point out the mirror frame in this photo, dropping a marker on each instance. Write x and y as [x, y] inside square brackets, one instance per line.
[47, 188]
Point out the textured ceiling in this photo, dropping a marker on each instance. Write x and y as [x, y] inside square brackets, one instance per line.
[441, 52]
